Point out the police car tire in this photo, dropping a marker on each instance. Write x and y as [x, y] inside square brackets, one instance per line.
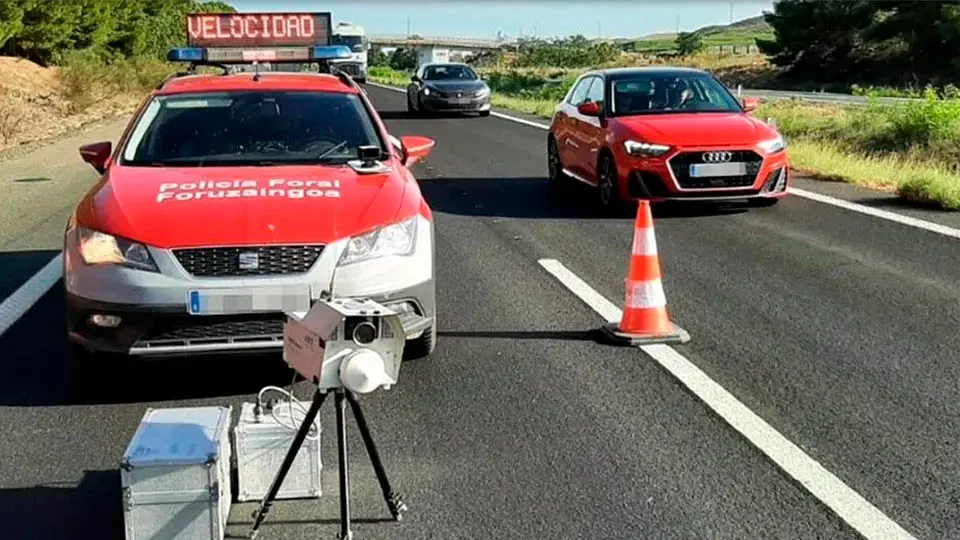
[484, 113]
[422, 346]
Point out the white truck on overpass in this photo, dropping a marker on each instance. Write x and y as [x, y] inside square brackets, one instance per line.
[355, 37]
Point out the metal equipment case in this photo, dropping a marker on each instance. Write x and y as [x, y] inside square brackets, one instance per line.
[260, 448]
[175, 475]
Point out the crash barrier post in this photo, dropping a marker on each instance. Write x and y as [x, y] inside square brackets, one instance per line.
[644, 320]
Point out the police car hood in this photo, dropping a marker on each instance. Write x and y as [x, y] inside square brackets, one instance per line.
[214, 206]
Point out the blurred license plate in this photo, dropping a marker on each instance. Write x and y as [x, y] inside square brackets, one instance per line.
[700, 170]
[461, 101]
[248, 300]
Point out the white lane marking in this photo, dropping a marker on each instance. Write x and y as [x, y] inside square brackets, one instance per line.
[19, 303]
[859, 513]
[840, 203]
[876, 212]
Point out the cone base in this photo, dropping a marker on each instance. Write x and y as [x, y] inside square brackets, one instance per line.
[612, 334]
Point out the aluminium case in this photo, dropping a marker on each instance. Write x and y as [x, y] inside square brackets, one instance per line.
[175, 475]
[260, 447]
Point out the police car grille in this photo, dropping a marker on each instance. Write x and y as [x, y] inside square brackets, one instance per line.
[680, 165]
[191, 329]
[270, 260]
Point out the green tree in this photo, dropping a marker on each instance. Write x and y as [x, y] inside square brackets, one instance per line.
[11, 20]
[403, 59]
[819, 41]
[376, 57]
[689, 43]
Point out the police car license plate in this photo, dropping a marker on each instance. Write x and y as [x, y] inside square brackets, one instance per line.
[701, 170]
[248, 300]
[461, 101]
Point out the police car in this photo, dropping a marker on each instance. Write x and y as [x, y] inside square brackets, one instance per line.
[233, 198]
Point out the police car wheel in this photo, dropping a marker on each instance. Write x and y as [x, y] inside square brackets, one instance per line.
[484, 113]
[422, 346]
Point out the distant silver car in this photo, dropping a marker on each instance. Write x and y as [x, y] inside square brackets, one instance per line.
[447, 87]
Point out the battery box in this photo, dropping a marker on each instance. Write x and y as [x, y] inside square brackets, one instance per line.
[175, 475]
[262, 443]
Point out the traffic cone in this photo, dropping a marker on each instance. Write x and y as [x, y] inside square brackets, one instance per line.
[644, 320]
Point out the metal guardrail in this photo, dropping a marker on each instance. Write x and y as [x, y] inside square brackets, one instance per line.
[824, 97]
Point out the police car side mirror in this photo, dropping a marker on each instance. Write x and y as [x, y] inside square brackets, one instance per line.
[97, 154]
[398, 145]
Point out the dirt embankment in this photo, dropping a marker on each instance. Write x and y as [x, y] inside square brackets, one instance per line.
[34, 106]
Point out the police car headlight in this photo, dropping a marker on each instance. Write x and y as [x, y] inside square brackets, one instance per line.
[773, 146]
[396, 239]
[97, 248]
[483, 92]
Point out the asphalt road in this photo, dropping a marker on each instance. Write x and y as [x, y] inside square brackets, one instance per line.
[837, 328]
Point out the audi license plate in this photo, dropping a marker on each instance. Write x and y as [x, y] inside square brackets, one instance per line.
[248, 300]
[701, 170]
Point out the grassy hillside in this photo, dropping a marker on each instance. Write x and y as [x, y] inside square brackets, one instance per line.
[738, 34]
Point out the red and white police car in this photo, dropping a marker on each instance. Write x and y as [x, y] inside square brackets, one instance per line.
[233, 198]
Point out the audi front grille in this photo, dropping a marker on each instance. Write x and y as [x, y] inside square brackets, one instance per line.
[248, 260]
[680, 167]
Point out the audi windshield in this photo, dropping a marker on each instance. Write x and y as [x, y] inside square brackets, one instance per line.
[665, 94]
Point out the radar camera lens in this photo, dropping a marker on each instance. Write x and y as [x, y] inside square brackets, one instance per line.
[364, 333]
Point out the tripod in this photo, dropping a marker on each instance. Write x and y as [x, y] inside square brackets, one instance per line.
[393, 500]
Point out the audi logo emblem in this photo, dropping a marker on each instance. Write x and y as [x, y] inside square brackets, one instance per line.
[717, 157]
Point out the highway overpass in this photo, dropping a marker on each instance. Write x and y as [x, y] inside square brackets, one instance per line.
[474, 44]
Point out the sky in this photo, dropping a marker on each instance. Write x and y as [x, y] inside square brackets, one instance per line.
[483, 19]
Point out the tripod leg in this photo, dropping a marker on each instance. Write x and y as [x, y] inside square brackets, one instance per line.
[261, 513]
[394, 501]
[345, 532]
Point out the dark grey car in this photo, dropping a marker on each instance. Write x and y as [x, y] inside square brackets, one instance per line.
[448, 87]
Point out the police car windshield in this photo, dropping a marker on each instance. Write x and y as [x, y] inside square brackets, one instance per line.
[665, 94]
[250, 128]
[449, 73]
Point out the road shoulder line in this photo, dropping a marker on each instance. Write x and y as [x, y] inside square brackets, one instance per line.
[19, 303]
[833, 201]
[850, 506]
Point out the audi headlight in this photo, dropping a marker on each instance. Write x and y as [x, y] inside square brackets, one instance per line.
[644, 149]
[773, 146]
[396, 239]
[101, 248]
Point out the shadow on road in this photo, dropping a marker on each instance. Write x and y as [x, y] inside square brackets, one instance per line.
[533, 198]
[559, 335]
[35, 374]
[90, 509]
[404, 115]
[17, 267]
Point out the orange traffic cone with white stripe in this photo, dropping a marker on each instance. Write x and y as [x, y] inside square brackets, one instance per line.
[644, 320]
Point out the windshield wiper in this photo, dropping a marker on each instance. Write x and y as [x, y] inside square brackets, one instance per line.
[339, 146]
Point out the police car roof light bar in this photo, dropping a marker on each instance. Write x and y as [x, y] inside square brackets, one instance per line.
[249, 55]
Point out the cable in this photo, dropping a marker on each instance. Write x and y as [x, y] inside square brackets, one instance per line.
[291, 403]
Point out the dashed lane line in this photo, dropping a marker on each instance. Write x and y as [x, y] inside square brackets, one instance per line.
[859, 513]
[20, 302]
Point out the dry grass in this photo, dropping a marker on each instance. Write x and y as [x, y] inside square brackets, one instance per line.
[38, 103]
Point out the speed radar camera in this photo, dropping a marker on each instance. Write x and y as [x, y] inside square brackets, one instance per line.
[349, 343]
[344, 346]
